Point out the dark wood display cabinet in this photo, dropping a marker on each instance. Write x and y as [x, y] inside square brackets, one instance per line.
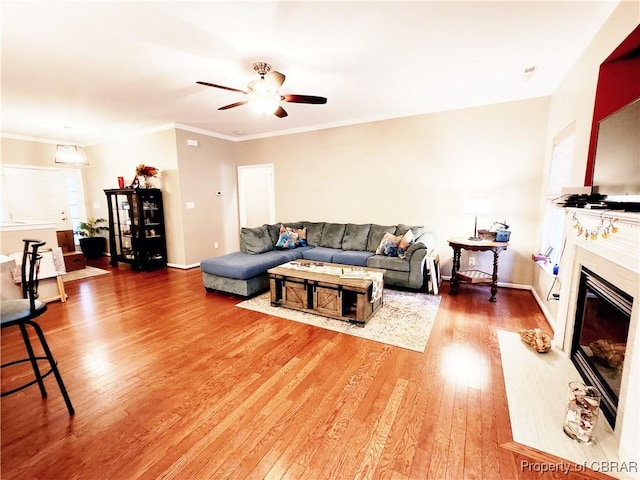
[136, 228]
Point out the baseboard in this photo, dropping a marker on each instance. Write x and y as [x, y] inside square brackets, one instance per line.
[183, 267]
[173, 265]
[545, 311]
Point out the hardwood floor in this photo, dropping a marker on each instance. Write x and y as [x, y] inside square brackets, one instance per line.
[169, 381]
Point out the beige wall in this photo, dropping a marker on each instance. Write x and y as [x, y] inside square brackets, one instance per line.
[419, 170]
[573, 101]
[23, 152]
[204, 170]
[188, 175]
[414, 170]
[120, 158]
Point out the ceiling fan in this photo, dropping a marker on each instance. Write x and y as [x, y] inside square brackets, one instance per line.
[262, 94]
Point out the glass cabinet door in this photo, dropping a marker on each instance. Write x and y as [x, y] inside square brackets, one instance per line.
[137, 231]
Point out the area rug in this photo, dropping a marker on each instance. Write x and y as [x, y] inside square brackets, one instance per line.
[404, 321]
[86, 272]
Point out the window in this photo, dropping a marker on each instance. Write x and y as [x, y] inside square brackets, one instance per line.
[76, 210]
[559, 176]
[30, 193]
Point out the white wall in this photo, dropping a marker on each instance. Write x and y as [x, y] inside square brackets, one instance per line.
[573, 101]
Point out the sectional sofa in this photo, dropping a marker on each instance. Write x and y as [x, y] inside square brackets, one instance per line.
[261, 248]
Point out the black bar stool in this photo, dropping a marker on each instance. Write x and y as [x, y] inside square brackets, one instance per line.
[21, 313]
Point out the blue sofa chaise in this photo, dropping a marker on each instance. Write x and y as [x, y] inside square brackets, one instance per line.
[244, 273]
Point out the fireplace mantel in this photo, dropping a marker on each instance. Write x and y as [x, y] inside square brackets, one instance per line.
[620, 247]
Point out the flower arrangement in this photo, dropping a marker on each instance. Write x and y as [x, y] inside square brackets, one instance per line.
[143, 174]
[143, 170]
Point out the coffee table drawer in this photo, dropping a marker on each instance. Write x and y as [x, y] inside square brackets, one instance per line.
[294, 293]
[327, 300]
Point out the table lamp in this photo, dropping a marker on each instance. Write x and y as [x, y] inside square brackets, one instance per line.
[476, 206]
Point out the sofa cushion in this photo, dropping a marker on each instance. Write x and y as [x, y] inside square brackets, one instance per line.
[416, 229]
[320, 254]
[389, 245]
[355, 237]
[314, 232]
[376, 233]
[274, 232]
[255, 240]
[294, 224]
[352, 257]
[332, 234]
[388, 263]
[243, 265]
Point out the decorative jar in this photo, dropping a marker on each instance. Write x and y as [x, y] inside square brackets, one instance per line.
[583, 408]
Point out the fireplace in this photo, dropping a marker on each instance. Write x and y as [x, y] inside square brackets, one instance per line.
[599, 277]
[600, 335]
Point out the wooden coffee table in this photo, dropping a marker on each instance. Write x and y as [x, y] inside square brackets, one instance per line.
[318, 287]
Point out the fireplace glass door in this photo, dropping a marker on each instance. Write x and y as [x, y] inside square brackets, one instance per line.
[603, 316]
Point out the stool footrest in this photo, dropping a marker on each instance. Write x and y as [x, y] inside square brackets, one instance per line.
[28, 384]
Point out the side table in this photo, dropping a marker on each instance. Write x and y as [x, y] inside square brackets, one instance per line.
[475, 276]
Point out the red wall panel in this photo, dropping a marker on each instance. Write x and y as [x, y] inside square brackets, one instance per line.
[618, 85]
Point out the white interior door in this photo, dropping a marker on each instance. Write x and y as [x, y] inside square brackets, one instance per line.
[256, 195]
[38, 194]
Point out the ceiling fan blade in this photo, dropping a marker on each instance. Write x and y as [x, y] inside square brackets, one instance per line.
[237, 104]
[280, 112]
[221, 86]
[274, 79]
[304, 99]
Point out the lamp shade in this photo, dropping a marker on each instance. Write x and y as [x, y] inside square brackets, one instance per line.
[71, 154]
[477, 205]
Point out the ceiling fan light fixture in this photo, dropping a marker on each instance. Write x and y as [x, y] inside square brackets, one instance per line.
[264, 103]
[263, 95]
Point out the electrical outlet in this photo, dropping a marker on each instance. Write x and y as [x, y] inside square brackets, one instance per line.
[215, 245]
[472, 261]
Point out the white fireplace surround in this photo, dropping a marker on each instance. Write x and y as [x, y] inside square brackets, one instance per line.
[616, 259]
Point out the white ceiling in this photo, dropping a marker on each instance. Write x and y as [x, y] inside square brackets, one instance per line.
[90, 72]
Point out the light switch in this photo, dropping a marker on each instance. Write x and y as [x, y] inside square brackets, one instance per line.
[96, 204]
[191, 205]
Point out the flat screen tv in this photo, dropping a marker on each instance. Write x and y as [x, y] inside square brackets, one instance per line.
[616, 171]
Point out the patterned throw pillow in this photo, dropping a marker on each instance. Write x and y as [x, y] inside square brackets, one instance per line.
[302, 237]
[405, 242]
[291, 237]
[388, 245]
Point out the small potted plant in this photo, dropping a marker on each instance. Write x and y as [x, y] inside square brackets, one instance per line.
[91, 244]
